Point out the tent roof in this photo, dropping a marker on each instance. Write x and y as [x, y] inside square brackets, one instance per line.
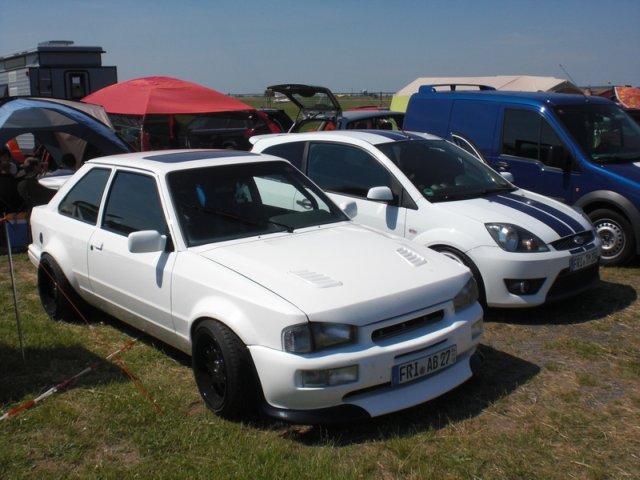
[162, 95]
[526, 83]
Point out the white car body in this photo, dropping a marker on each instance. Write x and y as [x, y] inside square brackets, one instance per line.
[455, 226]
[170, 281]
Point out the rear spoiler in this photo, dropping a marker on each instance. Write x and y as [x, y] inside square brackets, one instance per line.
[452, 87]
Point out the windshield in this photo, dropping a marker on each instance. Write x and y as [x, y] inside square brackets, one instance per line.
[604, 132]
[443, 171]
[236, 201]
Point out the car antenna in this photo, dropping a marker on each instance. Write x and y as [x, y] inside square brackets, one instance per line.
[570, 78]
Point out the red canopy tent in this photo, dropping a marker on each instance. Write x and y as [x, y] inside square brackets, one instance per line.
[162, 95]
[148, 106]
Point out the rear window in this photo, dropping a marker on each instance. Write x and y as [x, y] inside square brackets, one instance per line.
[83, 200]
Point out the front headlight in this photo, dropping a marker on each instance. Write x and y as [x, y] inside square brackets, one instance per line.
[467, 296]
[314, 336]
[515, 239]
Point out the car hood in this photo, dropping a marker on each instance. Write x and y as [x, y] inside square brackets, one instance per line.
[546, 218]
[345, 273]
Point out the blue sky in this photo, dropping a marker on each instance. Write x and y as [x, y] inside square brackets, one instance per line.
[242, 46]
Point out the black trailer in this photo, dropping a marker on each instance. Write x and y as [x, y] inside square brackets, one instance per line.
[56, 69]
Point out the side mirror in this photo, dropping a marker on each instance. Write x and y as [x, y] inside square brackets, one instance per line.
[507, 176]
[146, 241]
[383, 194]
[349, 208]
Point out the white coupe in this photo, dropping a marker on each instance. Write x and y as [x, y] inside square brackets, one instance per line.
[240, 261]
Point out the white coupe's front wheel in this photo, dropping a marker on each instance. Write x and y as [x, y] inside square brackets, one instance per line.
[223, 370]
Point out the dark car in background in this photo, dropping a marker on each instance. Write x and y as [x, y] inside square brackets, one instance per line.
[319, 109]
[230, 130]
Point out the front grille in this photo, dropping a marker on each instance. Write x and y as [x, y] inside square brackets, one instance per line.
[574, 241]
[571, 283]
[406, 326]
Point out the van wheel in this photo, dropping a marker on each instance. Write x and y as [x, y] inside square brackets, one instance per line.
[56, 293]
[460, 257]
[617, 237]
[223, 370]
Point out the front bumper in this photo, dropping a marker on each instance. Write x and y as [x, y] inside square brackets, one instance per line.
[373, 393]
[496, 265]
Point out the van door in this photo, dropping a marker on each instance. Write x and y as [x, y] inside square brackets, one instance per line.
[534, 153]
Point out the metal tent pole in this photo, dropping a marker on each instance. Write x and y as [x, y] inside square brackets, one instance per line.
[13, 284]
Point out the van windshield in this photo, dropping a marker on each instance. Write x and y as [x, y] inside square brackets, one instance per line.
[605, 133]
[443, 171]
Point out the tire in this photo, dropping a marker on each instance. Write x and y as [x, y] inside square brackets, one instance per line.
[618, 242]
[460, 257]
[56, 293]
[223, 371]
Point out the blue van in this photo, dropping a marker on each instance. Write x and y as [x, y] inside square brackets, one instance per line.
[581, 150]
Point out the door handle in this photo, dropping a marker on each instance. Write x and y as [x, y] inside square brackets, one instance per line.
[502, 165]
[97, 246]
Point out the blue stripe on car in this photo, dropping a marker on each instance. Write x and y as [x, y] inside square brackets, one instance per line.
[540, 211]
[568, 219]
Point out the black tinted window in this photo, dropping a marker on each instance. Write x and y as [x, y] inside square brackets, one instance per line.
[345, 169]
[83, 200]
[292, 151]
[133, 205]
[526, 134]
[521, 133]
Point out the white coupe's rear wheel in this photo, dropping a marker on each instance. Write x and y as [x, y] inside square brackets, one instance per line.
[56, 294]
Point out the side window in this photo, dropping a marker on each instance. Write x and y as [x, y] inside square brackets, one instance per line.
[292, 151]
[521, 133]
[345, 169]
[133, 205]
[83, 200]
[526, 134]
[552, 151]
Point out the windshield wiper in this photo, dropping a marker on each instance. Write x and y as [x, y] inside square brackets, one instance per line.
[258, 222]
[505, 188]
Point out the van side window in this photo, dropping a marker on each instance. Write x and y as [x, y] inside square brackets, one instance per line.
[526, 134]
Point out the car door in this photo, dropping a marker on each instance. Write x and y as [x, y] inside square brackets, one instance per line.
[77, 222]
[135, 287]
[532, 151]
[347, 173]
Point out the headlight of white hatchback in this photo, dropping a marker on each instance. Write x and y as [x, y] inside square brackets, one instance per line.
[515, 239]
[467, 296]
[314, 336]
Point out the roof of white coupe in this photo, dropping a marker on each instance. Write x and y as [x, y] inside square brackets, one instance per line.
[169, 160]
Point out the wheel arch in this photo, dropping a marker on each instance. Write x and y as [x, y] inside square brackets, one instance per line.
[607, 199]
[468, 261]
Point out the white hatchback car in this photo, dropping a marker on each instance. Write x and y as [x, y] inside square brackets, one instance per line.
[241, 261]
[523, 248]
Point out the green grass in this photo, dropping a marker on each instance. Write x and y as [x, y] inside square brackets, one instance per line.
[346, 102]
[558, 397]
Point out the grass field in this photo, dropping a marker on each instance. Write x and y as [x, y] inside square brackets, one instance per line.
[558, 397]
[346, 102]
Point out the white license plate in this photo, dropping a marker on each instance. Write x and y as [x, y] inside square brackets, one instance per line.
[423, 366]
[584, 260]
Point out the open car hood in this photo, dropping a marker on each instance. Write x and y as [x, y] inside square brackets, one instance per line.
[313, 102]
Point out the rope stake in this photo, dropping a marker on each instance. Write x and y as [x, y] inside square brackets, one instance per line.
[64, 384]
